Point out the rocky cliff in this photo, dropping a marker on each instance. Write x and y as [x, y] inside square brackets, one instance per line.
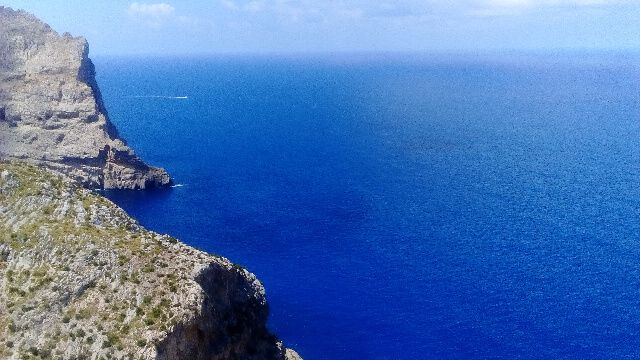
[51, 112]
[79, 279]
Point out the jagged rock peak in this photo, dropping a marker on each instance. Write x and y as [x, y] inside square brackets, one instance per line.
[52, 113]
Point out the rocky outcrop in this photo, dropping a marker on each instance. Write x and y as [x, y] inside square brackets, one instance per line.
[51, 111]
[79, 279]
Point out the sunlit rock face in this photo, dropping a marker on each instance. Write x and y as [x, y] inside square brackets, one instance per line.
[51, 111]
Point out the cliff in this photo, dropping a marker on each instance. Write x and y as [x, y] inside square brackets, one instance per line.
[51, 112]
[79, 279]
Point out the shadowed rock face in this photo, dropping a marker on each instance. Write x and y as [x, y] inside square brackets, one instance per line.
[51, 111]
[240, 308]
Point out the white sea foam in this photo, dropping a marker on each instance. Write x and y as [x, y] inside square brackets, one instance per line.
[177, 185]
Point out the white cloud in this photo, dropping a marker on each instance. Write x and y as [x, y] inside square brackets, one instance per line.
[548, 3]
[509, 3]
[230, 5]
[516, 7]
[154, 15]
[254, 6]
[303, 11]
[297, 11]
[155, 10]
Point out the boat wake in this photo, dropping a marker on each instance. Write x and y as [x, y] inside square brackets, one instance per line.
[159, 97]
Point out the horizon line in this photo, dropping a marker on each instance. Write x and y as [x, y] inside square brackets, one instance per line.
[325, 53]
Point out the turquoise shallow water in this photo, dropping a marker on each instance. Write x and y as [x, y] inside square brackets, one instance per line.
[405, 207]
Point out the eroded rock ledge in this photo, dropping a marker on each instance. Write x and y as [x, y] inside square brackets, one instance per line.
[51, 110]
[79, 279]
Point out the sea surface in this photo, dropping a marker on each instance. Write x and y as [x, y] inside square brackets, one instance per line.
[405, 206]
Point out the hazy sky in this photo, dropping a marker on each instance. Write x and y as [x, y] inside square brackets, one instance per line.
[214, 26]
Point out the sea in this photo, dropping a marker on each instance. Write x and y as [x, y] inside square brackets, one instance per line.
[404, 206]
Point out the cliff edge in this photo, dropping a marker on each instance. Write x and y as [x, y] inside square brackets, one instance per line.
[79, 279]
[51, 111]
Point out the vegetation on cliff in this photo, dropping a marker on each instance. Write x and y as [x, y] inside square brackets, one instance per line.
[81, 279]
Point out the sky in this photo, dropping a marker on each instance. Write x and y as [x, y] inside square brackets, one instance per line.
[180, 27]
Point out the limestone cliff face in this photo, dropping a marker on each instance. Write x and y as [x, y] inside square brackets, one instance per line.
[79, 279]
[51, 111]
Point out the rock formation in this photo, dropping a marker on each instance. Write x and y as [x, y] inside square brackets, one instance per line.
[51, 111]
[79, 279]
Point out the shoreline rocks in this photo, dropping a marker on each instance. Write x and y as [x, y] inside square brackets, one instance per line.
[80, 279]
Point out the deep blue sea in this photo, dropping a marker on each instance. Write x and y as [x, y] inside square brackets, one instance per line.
[405, 206]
